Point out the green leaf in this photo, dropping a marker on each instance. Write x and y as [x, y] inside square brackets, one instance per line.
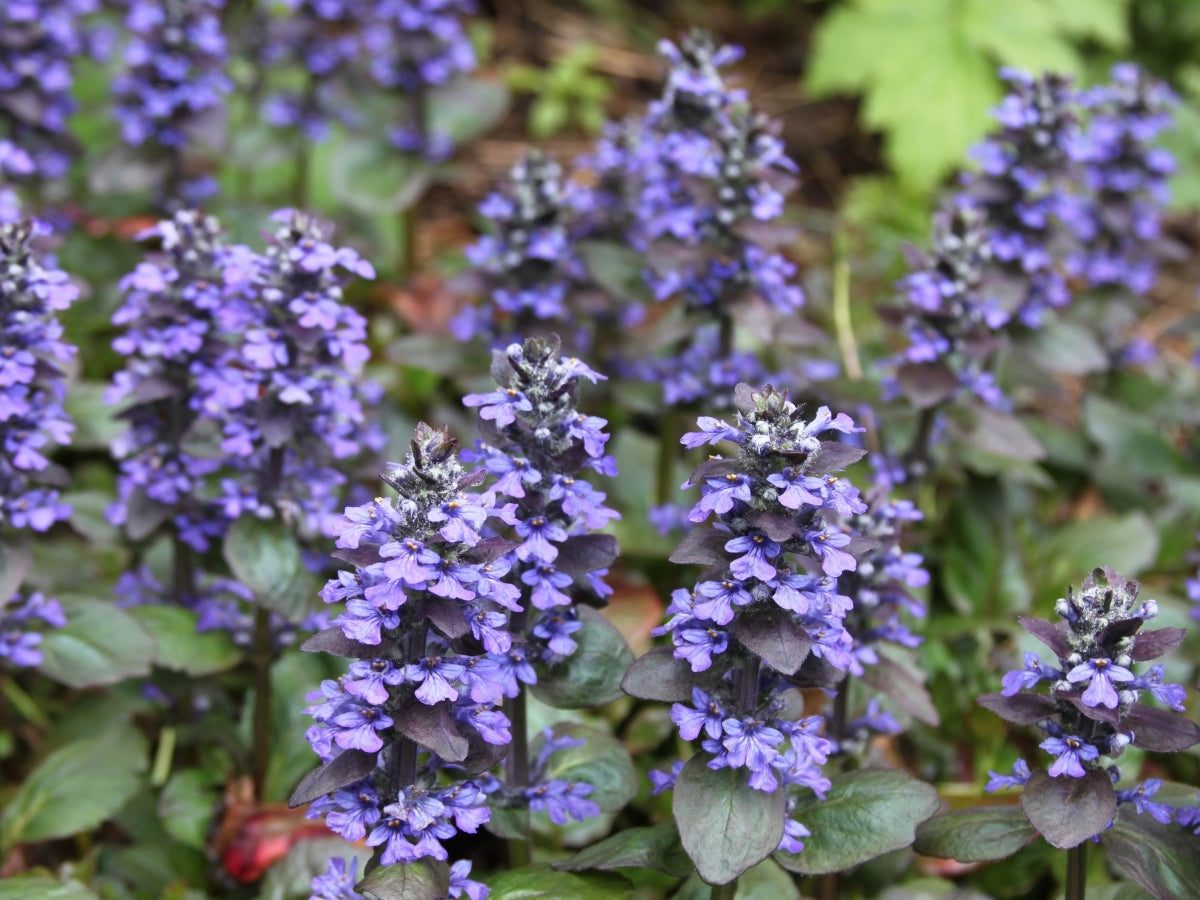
[1134, 441]
[977, 834]
[76, 787]
[541, 882]
[1163, 859]
[464, 109]
[725, 825]
[601, 760]
[1021, 33]
[656, 848]
[40, 887]
[180, 647]
[1104, 21]
[767, 881]
[426, 879]
[373, 178]
[1067, 811]
[291, 877]
[865, 814]
[187, 806]
[96, 426]
[100, 644]
[981, 562]
[1002, 433]
[547, 117]
[264, 555]
[591, 676]
[1127, 543]
[1066, 347]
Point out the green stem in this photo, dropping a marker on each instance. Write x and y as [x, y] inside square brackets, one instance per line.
[724, 891]
[842, 321]
[163, 756]
[1077, 872]
[21, 701]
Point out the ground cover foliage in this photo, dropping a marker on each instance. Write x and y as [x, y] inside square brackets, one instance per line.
[412, 489]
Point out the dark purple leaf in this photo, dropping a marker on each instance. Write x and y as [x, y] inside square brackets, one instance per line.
[433, 727]
[488, 550]
[1067, 811]
[725, 825]
[481, 756]
[1122, 628]
[346, 768]
[832, 456]
[362, 556]
[143, 515]
[1020, 709]
[333, 641]
[1095, 713]
[1160, 729]
[425, 879]
[16, 559]
[775, 636]
[904, 689]
[583, 553]
[743, 398]
[777, 528]
[1047, 633]
[816, 672]
[926, 384]
[975, 834]
[447, 616]
[1159, 642]
[659, 676]
[277, 423]
[1003, 434]
[656, 848]
[715, 468]
[701, 546]
[150, 389]
[1162, 859]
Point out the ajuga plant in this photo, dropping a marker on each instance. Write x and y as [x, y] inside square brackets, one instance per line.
[415, 45]
[323, 39]
[1117, 219]
[1089, 714]
[172, 90]
[528, 269]
[539, 448]
[764, 619]
[407, 736]
[42, 40]
[704, 176]
[1023, 173]
[32, 422]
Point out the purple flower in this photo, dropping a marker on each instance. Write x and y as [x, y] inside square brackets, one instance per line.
[1071, 752]
[358, 726]
[435, 675]
[758, 548]
[562, 800]
[703, 715]
[1019, 777]
[1140, 795]
[1099, 674]
[1028, 678]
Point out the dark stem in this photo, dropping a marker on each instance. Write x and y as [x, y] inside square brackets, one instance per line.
[726, 337]
[262, 699]
[1077, 872]
[262, 655]
[668, 449]
[183, 572]
[748, 685]
[516, 764]
[304, 149]
[412, 215]
[837, 727]
[827, 887]
[916, 462]
[724, 891]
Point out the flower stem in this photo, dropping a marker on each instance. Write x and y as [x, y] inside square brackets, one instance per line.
[724, 891]
[516, 764]
[1077, 872]
[262, 699]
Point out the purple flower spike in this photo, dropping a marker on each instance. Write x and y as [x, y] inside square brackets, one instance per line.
[1100, 675]
[1071, 752]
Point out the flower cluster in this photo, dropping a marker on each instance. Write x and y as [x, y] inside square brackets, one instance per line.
[19, 617]
[880, 583]
[949, 321]
[173, 85]
[413, 45]
[1117, 221]
[528, 268]
[42, 40]
[705, 177]
[1093, 709]
[767, 615]
[536, 444]
[1024, 171]
[178, 317]
[32, 419]
[324, 37]
[408, 732]
[289, 398]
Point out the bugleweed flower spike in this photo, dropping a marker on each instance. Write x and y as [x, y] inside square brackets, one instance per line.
[32, 422]
[1091, 711]
[408, 732]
